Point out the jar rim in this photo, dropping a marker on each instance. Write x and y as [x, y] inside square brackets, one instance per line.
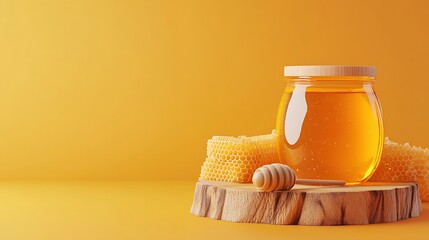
[307, 71]
[330, 79]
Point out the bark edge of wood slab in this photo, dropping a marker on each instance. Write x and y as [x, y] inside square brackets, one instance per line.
[368, 203]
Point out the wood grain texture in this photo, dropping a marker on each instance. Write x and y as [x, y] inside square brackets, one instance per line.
[307, 205]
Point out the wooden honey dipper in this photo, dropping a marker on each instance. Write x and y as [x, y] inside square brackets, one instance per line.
[277, 176]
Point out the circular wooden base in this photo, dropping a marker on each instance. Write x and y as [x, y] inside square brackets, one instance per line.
[307, 205]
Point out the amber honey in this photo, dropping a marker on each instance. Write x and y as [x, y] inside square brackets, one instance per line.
[330, 129]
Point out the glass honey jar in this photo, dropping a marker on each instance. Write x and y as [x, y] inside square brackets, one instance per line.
[330, 122]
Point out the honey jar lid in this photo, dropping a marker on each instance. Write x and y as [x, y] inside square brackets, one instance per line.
[329, 70]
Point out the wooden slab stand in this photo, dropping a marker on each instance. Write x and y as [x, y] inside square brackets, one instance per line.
[307, 205]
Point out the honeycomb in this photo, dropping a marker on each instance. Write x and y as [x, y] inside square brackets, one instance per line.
[235, 159]
[404, 163]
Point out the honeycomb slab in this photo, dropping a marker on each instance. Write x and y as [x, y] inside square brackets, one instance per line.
[235, 159]
[404, 163]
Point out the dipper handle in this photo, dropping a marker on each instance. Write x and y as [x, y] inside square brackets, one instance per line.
[320, 182]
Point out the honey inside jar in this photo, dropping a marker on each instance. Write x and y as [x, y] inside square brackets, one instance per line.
[330, 127]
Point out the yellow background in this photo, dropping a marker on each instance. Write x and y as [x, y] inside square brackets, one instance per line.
[132, 90]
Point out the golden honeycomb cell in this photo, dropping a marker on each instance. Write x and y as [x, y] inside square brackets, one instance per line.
[404, 163]
[235, 159]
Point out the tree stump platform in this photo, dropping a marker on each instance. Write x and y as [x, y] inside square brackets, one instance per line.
[367, 203]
